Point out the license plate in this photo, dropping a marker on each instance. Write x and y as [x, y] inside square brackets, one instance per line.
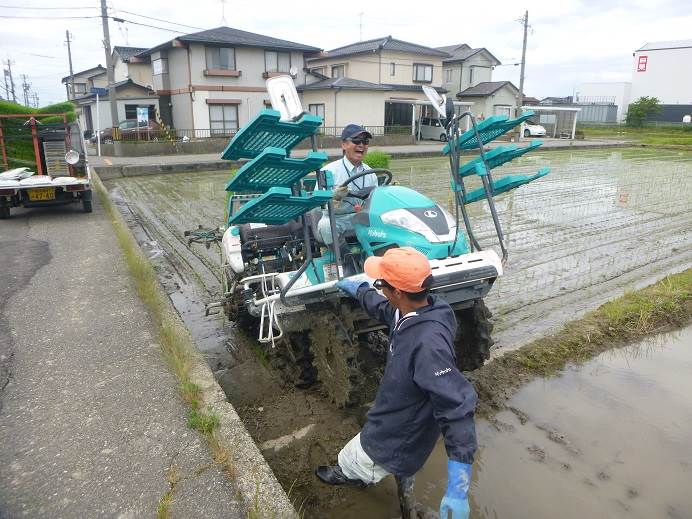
[42, 193]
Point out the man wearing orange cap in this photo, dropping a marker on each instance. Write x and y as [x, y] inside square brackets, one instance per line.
[422, 393]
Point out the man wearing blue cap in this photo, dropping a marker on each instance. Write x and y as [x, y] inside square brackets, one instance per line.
[354, 143]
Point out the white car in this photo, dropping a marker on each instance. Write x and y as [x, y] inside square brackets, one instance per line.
[529, 129]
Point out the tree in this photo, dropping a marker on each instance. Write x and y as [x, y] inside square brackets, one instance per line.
[641, 109]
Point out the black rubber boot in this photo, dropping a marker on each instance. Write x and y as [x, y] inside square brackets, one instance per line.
[332, 475]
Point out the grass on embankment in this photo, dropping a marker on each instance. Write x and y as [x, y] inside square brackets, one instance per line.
[656, 135]
[636, 314]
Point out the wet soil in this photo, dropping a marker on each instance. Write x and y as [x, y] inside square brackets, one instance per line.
[601, 222]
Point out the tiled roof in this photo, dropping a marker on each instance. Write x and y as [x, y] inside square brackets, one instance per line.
[463, 52]
[414, 88]
[127, 52]
[236, 37]
[90, 72]
[386, 43]
[119, 84]
[345, 83]
[485, 89]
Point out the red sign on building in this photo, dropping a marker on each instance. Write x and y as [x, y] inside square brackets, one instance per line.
[641, 65]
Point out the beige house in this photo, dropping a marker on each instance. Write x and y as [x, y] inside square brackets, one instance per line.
[213, 82]
[127, 65]
[390, 73]
[491, 98]
[84, 81]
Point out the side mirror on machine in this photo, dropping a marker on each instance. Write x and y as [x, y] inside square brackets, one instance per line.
[72, 157]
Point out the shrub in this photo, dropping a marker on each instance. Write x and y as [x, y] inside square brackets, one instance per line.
[377, 159]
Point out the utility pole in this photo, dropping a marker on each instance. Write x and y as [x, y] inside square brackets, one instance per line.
[109, 65]
[8, 73]
[25, 88]
[69, 57]
[525, 23]
[35, 99]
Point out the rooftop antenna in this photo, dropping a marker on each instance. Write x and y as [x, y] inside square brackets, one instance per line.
[360, 26]
[223, 13]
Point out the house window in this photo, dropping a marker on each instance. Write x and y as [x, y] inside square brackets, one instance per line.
[392, 69]
[222, 58]
[79, 88]
[317, 109]
[338, 70]
[448, 75]
[223, 119]
[131, 112]
[160, 66]
[470, 76]
[319, 70]
[422, 72]
[277, 61]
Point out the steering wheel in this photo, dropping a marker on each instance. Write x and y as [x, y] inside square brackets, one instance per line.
[364, 193]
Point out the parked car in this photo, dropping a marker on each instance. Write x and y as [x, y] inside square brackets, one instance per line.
[531, 129]
[131, 131]
[430, 128]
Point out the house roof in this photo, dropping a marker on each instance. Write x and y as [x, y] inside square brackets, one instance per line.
[90, 72]
[235, 37]
[126, 53]
[345, 83]
[664, 45]
[462, 52]
[485, 89]
[528, 100]
[385, 43]
[118, 85]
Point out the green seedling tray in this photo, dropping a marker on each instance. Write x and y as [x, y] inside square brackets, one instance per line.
[266, 130]
[277, 206]
[489, 130]
[497, 157]
[271, 168]
[504, 185]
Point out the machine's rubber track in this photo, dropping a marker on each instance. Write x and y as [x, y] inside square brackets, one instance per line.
[336, 358]
[473, 341]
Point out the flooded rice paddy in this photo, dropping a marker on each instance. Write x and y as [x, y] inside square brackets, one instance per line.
[602, 222]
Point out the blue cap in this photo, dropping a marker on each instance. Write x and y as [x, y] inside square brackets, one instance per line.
[354, 130]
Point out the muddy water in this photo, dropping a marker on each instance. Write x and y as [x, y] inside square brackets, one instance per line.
[601, 222]
[608, 439]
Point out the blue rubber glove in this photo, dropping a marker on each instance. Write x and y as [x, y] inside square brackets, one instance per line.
[351, 286]
[456, 499]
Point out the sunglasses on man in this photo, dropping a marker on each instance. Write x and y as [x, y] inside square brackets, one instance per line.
[365, 142]
[379, 284]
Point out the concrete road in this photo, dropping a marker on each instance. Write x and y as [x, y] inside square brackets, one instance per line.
[90, 421]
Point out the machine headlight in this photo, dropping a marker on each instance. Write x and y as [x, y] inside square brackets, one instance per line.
[402, 218]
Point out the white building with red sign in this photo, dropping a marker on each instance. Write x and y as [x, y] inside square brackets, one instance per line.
[663, 70]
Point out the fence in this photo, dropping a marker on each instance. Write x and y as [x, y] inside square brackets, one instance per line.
[181, 134]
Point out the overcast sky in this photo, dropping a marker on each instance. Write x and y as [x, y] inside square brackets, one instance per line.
[570, 42]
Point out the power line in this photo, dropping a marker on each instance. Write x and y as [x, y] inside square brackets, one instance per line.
[161, 20]
[46, 17]
[122, 20]
[45, 8]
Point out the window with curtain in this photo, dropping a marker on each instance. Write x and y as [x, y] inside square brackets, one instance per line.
[317, 109]
[338, 70]
[448, 75]
[277, 61]
[222, 58]
[422, 72]
[223, 119]
[392, 69]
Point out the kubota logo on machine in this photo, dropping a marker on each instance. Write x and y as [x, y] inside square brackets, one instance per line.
[376, 234]
[430, 214]
[442, 372]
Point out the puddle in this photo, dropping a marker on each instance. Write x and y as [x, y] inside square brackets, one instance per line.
[608, 439]
[602, 222]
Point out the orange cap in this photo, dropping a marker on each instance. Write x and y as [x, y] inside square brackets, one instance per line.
[403, 267]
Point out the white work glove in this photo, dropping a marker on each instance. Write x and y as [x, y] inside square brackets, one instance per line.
[340, 192]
